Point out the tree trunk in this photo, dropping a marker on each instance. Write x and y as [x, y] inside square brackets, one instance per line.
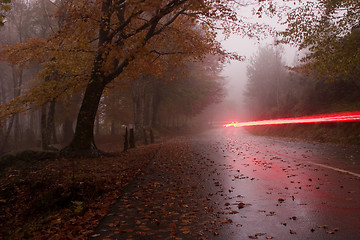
[126, 141]
[145, 136]
[50, 125]
[138, 95]
[44, 132]
[132, 138]
[83, 143]
[139, 112]
[7, 134]
[16, 131]
[17, 75]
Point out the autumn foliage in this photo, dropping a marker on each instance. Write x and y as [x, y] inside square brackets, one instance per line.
[99, 42]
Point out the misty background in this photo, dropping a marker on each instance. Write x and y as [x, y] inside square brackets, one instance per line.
[191, 95]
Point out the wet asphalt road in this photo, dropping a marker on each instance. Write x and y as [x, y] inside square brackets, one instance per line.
[227, 184]
[290, 189]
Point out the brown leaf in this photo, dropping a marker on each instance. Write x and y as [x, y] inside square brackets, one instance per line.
[323, 226]
[129, 230]
[241, 205]
[260, 234]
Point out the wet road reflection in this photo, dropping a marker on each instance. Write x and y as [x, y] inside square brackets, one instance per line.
[275, 188]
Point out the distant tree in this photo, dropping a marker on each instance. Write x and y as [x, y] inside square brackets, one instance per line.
[106, 40]
[4, 7]
[115, 109]
[183, 92]
[196, 86]
[265, 89]
[139, 31]
[330, 32]
[19, 27]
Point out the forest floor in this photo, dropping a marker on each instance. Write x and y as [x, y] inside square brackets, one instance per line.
[66, 198]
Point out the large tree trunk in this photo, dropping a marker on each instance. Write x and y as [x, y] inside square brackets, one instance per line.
[83, 143]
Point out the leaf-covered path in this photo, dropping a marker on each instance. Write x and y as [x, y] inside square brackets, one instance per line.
[166, 201]
[232, 185]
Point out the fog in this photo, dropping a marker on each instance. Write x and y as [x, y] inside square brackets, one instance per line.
[159, 89]
[232, 108]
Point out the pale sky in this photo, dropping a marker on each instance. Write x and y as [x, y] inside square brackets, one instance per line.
[235, 72]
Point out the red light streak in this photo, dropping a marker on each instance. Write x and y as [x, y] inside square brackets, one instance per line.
[322, 118]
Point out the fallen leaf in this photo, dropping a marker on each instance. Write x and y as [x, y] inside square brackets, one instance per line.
[260, 234]
[126, 230]
[270, 214]
[241, 205]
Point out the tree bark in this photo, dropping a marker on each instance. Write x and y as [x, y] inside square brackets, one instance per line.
[7, 134]
[83, 143]
[17, 75]
[132, 138]
[126, 142]
[44, 132]
[50, 125]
